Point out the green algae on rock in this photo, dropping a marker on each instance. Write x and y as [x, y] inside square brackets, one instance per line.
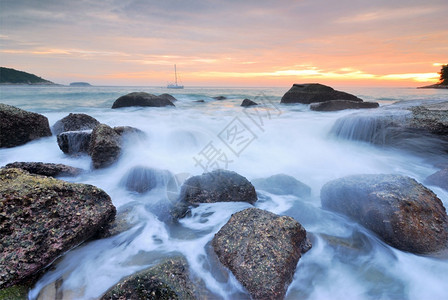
[41, 218]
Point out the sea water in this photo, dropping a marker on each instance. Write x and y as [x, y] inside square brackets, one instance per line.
[346, 261]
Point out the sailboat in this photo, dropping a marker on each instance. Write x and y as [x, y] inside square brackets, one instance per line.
[175, 85]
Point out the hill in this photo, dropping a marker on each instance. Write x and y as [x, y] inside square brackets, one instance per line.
[11, 76]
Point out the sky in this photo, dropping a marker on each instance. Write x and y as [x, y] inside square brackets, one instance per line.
[227, 43]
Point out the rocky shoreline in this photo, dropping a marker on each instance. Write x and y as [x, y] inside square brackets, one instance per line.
[42, 217]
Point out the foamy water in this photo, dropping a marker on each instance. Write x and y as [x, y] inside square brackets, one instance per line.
[346, 261]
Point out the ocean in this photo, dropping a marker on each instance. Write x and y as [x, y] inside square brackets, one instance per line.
[346, 260]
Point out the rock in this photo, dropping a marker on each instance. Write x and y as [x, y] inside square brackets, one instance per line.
[143, 179]
[248, 102]
[262, 250]
[168, 97]
[199, 101]
[74, 142]
[401, 211]
[282, 184]
[335, 105]
[75, 122]
[169, 279]
[105, 146]
[218, 186]
[19, 126]
[128, 131]
[434, 86]
[41, 218]
[439, 178]
[315, 92]
[141, 99]
[421, 129]
[45, 169]
[220, 98]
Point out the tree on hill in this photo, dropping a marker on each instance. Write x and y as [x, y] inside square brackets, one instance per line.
[444, 75]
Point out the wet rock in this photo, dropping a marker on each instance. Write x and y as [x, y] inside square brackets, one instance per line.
[199, 101]
[168, 97]
[248, 102]
[74, 142]
[335, 105]
[421, 129]
[41, 218]
[19, 126]
[315, 92]
[105, 146]
[143, 179]
[45, 169]
[282, 184]
[218, 186]
[75, 122]
[169, 279]
[401, 211]
[220, 98]
[141, 99]
[129, 131]
[439, 178]
[262, 250]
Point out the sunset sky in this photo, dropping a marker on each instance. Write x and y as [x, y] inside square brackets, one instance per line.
[226, 43]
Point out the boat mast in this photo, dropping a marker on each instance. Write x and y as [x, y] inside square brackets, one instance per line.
[175, 74]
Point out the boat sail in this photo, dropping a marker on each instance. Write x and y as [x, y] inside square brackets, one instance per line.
[175, 85]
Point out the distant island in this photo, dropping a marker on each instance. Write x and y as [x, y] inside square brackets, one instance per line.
[11, 76]
[443, 81]
[80, 84]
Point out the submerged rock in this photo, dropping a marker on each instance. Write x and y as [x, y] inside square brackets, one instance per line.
[335, 105]
[220, 98]
[19, 126]
[248, 102]
[218, 186]
[421, 129]
[142, 99]
[41, 218]
[439, 178]
[262, 250]
[128, 131]
[282, 184]
[401, 211]
[143, 179]
[105, 146]
[74, 142]
[315, 92]
[45, 169]
[75, 122]
[169, 279]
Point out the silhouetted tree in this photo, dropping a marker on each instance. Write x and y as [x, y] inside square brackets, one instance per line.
[444, 75]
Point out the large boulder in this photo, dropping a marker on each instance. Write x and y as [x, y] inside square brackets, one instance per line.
[335, 105]
[315, 92]
[18, 126]
[170, 279]
[142, 99]
[218, 186]
[74, 142]
[45, 169]
[282, 184]
[43, 217]
[262, 250]
[75, 122]
[401, 211]
[105, 146]
[439, 178]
